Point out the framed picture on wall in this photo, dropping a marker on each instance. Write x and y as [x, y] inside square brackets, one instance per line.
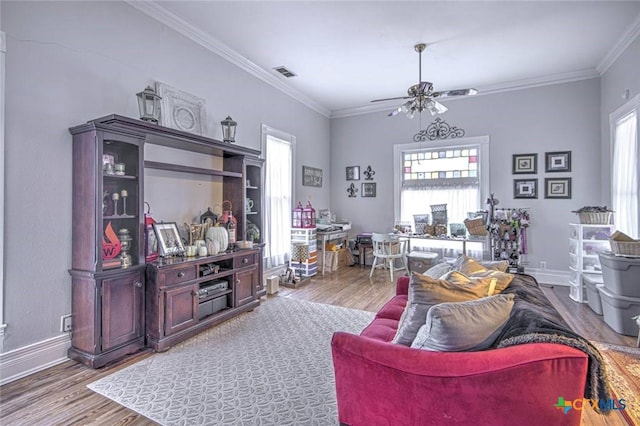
[557, 188]
[353, 173]
[311, 176]
[369, 189]
[525, 164]
[525, 188]
[557, 161]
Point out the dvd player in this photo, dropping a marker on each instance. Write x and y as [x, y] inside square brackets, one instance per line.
[212, 287]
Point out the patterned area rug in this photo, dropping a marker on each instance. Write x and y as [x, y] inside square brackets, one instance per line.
[271, 366]
[623, 369]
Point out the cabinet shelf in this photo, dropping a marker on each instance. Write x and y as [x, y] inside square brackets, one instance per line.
[108, 176]
[119, 216]
[188, 169]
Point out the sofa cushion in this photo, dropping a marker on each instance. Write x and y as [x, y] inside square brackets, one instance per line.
[464, 326]
[425, 291]
[394, 308]
[383, 329]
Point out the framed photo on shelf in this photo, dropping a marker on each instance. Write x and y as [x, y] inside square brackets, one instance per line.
[525, 188]
[311, 176]
[557, 161]
[368, 189]
[557, 188]
[525, 164]
[353, 173]
[169, 241]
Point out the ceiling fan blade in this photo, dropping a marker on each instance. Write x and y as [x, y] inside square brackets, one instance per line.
[402, 108]
[392, 99]
[437, 108]
[456, 92]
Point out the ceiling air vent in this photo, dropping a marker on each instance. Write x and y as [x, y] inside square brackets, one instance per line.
[284, 71]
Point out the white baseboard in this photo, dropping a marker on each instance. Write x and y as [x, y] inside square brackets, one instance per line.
[30, 359]
[549, 276]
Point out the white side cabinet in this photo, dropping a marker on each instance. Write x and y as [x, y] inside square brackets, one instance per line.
[585, 241]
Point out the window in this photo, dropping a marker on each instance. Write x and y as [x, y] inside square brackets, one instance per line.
[452, 172]
[278, 148]
[625, 166]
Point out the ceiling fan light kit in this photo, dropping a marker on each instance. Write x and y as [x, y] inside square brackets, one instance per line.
[422, 97]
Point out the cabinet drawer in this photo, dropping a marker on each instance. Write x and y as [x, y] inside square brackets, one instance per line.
[179, 275]
[244, 260]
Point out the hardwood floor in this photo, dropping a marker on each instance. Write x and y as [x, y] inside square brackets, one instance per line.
[59, 396]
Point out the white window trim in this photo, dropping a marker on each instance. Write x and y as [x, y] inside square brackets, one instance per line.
[3, 50]
[627, 108]
[482, 141]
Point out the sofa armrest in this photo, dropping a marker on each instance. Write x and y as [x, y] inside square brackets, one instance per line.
[383, 383]
[402, 285]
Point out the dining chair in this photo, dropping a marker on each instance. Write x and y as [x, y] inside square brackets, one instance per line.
[386, 249]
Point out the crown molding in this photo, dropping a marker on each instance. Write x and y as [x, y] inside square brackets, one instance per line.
[482, 91]
[159, 13]
[627, 38]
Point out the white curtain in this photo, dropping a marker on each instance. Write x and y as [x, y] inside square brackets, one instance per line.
[279, 170]
[625, 175]
[459, 200]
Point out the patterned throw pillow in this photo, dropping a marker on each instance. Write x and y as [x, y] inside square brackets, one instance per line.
[465, 326]
[477, 269]
[436, 271]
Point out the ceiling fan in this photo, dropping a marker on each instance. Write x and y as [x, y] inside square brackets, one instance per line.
[422, 97]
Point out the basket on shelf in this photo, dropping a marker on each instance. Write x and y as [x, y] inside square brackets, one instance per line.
[595, 218]
[622, 244]
[476, 226]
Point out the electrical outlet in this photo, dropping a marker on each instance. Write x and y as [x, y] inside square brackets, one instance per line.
[543, 265]
[65, 323]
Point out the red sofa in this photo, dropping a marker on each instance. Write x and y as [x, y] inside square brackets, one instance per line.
[381, 383]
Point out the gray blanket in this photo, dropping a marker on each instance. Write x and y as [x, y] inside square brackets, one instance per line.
[534, 320]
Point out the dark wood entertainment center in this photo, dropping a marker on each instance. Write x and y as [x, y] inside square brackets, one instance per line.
[122, 305]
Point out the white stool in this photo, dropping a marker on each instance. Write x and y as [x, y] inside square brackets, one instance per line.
[420, 261]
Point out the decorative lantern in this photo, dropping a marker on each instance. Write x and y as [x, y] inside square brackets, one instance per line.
[228, 130]
[149, 105]
[308, 216]
[296, 217]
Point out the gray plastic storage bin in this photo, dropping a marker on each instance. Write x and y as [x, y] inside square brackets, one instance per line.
[619, 311]
[593, 295]
[621, 275]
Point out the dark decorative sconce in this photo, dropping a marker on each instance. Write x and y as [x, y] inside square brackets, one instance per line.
[149, 105]
[368, 173]
[351, 190]
[439, 129]
[228, 129]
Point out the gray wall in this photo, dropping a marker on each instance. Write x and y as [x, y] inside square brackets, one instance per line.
[69, 62]
[551, 118]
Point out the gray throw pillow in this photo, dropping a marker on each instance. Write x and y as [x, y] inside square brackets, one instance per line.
[465, 326]
[425, 291]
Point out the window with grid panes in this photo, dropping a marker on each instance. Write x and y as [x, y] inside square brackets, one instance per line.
[454, 173]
